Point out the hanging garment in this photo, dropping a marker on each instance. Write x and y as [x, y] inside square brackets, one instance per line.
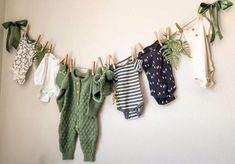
[80, 99]
[159, 73]
[101, 87]
[23, 59]
[196, 34]
[45, 76]
[128, 94]
[40, 53]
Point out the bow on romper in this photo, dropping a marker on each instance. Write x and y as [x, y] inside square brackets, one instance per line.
[81, 96]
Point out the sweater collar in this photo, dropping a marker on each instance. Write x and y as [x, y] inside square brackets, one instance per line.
[78, 75]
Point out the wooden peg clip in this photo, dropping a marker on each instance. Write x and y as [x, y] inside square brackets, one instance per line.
[70, 64]
[107, 62]
[141, 47]
[38, 38]
[101, 63]
[158, 37]
[168, 32]
[179, 28]
[50, 48]
[133, 54]
[63, 59]
[44, 46]
[111, 61]
[66, 61]
[74, 64]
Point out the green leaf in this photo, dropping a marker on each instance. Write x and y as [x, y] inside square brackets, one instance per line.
[173, 49]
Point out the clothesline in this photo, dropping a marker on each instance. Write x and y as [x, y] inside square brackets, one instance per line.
[26, 30]
[80, 96]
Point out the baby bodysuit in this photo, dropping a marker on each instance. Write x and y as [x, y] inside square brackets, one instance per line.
[196, 34]
[40, 53]
[23, 59]
[159, 73]
[45, 76]
[128, 94]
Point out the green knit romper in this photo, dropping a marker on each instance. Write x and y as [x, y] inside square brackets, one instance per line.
[79, 108]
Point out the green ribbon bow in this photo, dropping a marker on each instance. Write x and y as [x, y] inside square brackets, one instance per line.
[14, 33]
[214, 9]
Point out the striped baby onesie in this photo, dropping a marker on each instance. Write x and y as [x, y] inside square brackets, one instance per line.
[128, 92]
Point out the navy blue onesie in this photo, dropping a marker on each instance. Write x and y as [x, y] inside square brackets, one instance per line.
[159, 73]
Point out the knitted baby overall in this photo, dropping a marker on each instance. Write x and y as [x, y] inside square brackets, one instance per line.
[78, 111]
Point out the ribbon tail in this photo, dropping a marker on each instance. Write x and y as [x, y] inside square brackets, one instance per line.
[8, 40]
[212, 22]
[16, 37]
[217, 23]
[212, 37]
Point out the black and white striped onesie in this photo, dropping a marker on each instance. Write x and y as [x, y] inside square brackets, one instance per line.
[128, 92]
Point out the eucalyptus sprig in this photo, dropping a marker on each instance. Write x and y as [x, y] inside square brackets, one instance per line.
[173, 48]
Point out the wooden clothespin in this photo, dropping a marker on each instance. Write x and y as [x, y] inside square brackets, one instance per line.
[141, 47]
[93, 68]
[27, 28]
[38, 38]
[50, 48]
[69, 64]
[63, 60]
[133, 53]
[74, 64]
[158, 37]
[179, 28]
[101, 63]
[66, 59]
[168, 32]
[111, 61]
[71, 67]
[44, 46]
[108, 61]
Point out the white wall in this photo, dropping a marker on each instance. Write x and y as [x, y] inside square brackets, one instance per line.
[2, 12]
[198, 128]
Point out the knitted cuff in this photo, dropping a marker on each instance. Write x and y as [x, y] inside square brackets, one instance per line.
[60, 100]
[89, 157]
[67, 155]
[61, 75]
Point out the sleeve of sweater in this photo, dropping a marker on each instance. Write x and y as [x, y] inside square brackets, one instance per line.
[62, 79]
[97, 86]
[40, 73]
[108, 86]
[97, 97]
[61, 74]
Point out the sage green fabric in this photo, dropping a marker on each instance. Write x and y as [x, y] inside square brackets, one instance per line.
[62, 82]
[14, 33]
[79, 108]
[101, 87]
[40, 53]
[214, 9]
